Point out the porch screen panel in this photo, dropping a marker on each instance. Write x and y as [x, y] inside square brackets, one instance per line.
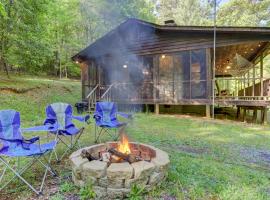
[182, 75]
[198, 74]
[166, 78]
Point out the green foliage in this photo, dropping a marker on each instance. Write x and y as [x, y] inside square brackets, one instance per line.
[41, 36]
[87, 192]
[2, 10]
[136, 192]
[67, 187]
[244, 13]
[57, 197]
[189, 12]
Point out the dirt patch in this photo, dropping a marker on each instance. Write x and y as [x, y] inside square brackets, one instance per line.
[17, 90]
[256, 156]
[190, 149]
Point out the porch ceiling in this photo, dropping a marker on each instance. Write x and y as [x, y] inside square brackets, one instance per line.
[225, 56]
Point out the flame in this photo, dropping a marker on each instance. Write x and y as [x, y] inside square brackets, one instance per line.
[123, 145]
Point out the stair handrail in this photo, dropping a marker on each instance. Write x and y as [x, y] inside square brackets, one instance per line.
[92, 91]
[105, 93]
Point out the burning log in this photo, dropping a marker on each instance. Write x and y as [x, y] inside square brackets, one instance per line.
[127, 157]
[86, 154]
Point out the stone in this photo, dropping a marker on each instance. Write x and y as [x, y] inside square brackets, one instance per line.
[97, 148]
[95, 168]
[155, 178]
[142, 181]
[117, 193]
[116, 183]
[77, 182]
[120, 171]
[89, 179]
[161, 161]
[77, 162]
[100, 192]
[76, 154]
[103, 182]
[142, 168]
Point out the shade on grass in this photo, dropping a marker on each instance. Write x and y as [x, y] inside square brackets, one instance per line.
[209, 159]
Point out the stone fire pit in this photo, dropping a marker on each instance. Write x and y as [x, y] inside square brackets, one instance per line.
[114, 180]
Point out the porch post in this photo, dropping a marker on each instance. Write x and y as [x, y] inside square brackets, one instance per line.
[244, 76]
[253, 84]
[261, 74]
[156, 108]
[207, 111]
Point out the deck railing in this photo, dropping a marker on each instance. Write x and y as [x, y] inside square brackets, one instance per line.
[175, 92]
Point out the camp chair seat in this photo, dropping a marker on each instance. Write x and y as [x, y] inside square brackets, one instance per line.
[59, 120]
[31, 150]
[14, 145]
[106, 119]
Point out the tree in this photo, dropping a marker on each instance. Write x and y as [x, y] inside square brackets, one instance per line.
[188, 12]
[244, 13]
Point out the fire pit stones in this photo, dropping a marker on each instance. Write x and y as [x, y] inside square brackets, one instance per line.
[116, 180]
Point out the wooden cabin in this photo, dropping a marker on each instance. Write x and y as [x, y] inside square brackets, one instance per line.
[144, 63]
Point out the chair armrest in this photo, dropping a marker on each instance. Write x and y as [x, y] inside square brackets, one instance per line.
[82, 118]
[32, 140]
[96, 116]
[37, 128]
[125, 115]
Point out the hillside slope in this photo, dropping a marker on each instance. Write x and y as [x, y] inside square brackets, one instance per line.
[30, 95]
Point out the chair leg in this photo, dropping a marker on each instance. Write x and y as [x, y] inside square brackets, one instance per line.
[21, 171]
[99, 134]
[73, 143]
[45, 174]
[19, 176]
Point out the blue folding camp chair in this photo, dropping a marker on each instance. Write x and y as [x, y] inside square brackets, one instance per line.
[59, 119]
[14, 145]
[106, 119]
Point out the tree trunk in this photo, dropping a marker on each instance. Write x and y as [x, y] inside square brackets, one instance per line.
[6, 68]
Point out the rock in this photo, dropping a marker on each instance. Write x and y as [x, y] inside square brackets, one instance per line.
[142, 181]
[100, 192]
[142, 168]
[77, 162]
[77, 182]
[116, 183]
[117, 193]
[95, 168]
[75, 154]
[161, 161]
[156, 178]
[103, 182]
[89, 179]
[120, 171]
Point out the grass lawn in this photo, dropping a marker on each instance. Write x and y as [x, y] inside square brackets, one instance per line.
[210, 159]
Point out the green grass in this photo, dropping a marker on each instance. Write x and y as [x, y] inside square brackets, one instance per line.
[210, 159]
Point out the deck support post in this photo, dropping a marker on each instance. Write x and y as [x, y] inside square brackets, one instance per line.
[207, 111]
[245, 115]
[254, 117]
[156, 108]
[261, 75]
[238, 112]
[264, 115]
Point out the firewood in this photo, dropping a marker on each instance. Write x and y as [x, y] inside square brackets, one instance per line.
[86, 154]
[127, 157]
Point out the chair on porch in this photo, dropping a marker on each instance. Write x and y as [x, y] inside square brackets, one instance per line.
[106, 120]
[59, 119]
[15, 146]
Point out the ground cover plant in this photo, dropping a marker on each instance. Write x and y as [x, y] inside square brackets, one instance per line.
[210, 159]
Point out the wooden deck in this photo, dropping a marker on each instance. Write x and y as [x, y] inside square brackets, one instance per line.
[221, 102]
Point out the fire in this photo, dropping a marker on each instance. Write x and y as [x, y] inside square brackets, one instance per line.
[123, 145]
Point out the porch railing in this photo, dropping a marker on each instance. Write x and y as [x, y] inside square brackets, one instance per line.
[177, 91]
